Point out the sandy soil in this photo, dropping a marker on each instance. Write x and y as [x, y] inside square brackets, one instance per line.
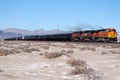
[28, 62]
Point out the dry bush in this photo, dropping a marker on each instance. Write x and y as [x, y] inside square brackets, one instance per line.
[1, 70]
[63, 51]
[69, 51]
[76, 62]
[51, 55]
[95, 75]
[92, 49]
[80, 67]
[114, 52]
[83, 70]
[78, 70]
[83, 48]
[4, 52]
[88, 48]
[104, 52]
[90, 70]
[89, 74]
[17, 51]
[46, 47]
[41, 54]
[27, 50]
[111, 51]
[69, 45]
[24, 46]
[34, 49]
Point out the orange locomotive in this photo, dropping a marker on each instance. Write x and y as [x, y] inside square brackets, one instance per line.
[108, 35]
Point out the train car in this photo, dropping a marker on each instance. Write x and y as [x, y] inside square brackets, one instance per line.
[12, 38]
[42, 37]
[30, 37]
[19, 38]
[60, 37]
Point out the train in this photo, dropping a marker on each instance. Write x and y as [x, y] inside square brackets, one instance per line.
[105, 35]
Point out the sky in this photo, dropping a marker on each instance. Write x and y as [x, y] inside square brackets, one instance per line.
[59, 14]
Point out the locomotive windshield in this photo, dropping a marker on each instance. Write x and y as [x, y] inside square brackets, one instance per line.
[110, 30]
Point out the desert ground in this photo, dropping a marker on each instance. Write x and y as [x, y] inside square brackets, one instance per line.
[42, 60]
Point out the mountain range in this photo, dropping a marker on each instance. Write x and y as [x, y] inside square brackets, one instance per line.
[14, 32]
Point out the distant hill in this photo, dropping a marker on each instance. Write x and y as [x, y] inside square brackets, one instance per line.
[35, 32]
[19, 31]
[8, 34]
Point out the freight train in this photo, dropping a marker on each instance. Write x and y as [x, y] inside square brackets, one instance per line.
[106, 35]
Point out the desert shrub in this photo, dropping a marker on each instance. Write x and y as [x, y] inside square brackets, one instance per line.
[89, 73]
[80, 67]
[88, 48]
[90, 70]
[27, 50]
[46, 47]
[34, 49]
[83, 48]
[111, 51]
[1, 70]
[76, 62]
[114, 52]
[104, 52]
[51, 55]
[17, 51]
[94, 75]
[4, 52]
[41, 54]
[83, 70]
[78, 70]
[92, 49]
[69, 51]
[24, 46]
[69, 45]
[63, 51]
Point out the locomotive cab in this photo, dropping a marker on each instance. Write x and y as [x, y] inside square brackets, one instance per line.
[112, 34]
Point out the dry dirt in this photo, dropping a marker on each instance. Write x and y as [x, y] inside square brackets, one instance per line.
[27, 60]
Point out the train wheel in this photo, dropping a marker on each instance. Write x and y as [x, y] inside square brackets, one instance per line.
[80, 39]
[74, 39]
